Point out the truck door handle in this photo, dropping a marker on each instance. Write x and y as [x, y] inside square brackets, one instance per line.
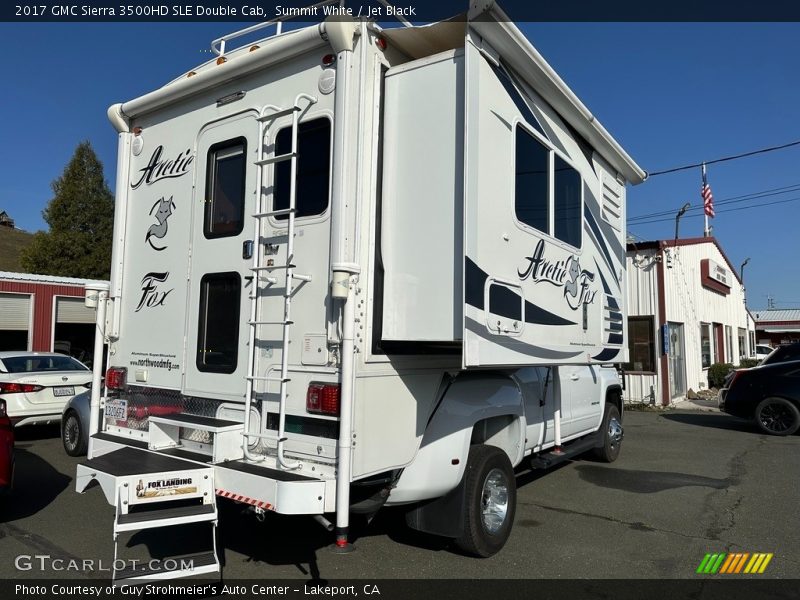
[574, 377]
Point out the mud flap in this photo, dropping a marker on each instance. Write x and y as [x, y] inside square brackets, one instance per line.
[442, 516]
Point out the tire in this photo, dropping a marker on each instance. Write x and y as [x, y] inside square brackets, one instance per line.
[612, 435]
[72, 437]
[490, 501]
[777, 416]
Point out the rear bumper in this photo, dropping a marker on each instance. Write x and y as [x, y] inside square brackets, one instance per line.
[721, 398]
[42, 419]
[249, 483]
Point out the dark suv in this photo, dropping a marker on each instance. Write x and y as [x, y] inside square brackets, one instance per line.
[768, 393]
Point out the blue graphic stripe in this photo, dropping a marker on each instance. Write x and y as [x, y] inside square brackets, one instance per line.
[615, 326]
[606, 354]
[597, 234]
[615, 338]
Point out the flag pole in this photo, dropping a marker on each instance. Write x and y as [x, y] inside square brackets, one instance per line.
[705, 214]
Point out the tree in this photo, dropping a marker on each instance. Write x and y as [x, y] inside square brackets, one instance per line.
[81, 220]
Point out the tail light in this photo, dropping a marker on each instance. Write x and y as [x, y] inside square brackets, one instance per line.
[323, 399]
[19, 388]
[115, 378]
[736, 374]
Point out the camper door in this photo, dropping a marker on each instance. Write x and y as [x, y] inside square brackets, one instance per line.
[533, 280]
[220, 276]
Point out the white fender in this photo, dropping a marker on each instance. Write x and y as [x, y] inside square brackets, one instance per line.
[441, 459]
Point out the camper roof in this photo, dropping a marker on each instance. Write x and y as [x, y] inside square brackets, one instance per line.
[487, 20]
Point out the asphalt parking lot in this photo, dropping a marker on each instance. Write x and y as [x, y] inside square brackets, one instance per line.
[687, 483]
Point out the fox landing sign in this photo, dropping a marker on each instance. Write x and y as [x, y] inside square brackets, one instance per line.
[567, 274]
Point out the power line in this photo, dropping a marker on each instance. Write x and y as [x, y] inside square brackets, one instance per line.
[732, 200]
[661, 220]
[724, 159]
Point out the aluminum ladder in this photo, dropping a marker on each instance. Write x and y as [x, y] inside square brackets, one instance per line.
[263, 273]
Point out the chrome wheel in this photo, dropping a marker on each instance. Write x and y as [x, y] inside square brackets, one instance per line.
[615, 432]
[494, 501]
[72, 432]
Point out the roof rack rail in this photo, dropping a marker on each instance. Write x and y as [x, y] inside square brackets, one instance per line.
[218, 45]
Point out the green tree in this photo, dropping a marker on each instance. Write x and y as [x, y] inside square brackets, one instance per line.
[81, 220]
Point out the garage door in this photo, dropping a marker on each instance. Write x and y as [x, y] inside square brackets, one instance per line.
[15, 312]
[73, 310]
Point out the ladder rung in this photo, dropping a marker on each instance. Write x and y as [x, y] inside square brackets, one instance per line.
[290, 266]
[276, 379]
[274, 213]
[275, 159]
[277, 114]
[301, 277]
[289, 322]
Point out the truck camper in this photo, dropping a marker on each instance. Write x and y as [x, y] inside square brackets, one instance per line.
[358, 267]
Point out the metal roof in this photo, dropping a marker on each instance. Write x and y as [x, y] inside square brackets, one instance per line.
[34, 278]
[777, 314]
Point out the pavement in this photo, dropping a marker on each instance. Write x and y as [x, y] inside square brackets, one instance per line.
[688, 482]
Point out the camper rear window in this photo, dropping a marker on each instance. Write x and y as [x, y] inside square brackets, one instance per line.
[225, 181]
[532, 204]
[218, 326]
[313, 168]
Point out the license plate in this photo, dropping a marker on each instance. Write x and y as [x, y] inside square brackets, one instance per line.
[64, 391]
[116, 409]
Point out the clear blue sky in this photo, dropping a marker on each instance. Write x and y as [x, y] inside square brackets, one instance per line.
[672, 94]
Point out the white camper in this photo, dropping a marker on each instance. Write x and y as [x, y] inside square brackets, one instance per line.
[357, 267]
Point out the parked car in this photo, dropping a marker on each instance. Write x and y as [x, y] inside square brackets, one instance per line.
[763, 351]
[6, 450]
[769, 394]
[75, 424]
[35, 385]
[782, 354]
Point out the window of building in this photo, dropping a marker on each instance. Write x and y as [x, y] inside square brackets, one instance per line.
[532, 181]
[313, 168]
[567, 203]
[218, 326]
[225, 189]
[641, 344]
[705, 344]
[742, 335]
[729, 343]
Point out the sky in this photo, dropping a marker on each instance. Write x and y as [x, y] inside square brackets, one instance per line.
[671, 93]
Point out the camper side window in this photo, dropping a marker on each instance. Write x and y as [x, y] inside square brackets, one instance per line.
[567, 203]
[218, 326]
[533, 172]
[313, 168]
[225, 182]
[532, 186]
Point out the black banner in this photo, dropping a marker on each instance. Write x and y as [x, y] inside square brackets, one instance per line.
[415, 11]
[702, 588]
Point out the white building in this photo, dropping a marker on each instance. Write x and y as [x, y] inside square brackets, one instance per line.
[686, 312]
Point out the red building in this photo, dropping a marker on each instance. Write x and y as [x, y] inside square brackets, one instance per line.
[777, 326]
[45, 313]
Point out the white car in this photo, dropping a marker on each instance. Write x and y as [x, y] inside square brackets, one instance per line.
[762, 351]
[37, 385]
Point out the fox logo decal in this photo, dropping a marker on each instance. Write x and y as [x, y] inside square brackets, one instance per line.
[159, 229]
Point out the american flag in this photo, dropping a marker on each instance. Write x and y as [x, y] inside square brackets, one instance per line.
[708, 197]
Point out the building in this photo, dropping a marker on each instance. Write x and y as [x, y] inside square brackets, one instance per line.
[45, 313]
[5, 220]
[776, 326]
[686, 312]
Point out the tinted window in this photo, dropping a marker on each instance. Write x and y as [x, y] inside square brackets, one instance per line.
[531, 188]
[313, 168]
[225, 187]
[218, 327]
[783, 354]
[30, 364]
[641, 344]
[567, 203]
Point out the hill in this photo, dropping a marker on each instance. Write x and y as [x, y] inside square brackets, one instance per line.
[12, 241]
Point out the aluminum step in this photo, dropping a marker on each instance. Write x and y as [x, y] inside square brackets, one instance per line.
[209, 424]
[165, 517]
[191, 564]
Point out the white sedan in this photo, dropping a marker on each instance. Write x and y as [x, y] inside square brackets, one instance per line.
[37, 385]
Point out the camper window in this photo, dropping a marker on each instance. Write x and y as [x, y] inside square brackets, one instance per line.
[532, 188]
[313, 168]
[218, 327]
[567, 202]
[225, 182]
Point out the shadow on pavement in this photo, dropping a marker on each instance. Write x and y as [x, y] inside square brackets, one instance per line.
[647, 482]
[714, 420]
[36, 485]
